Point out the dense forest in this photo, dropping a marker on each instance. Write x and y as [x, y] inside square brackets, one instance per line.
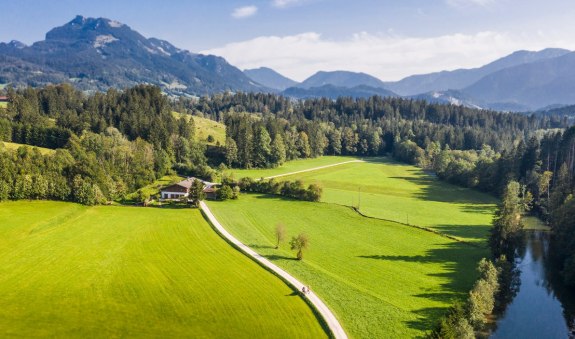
[109, 144]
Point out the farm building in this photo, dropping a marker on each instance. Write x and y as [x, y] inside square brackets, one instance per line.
[182, 189]
[3, 99]
[178, 190]
[210, 192]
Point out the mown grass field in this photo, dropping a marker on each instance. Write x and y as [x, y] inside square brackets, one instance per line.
[291, 166]
[382, 279]
[386, 189]
[72, 271]
[3, 104]
[14, 146]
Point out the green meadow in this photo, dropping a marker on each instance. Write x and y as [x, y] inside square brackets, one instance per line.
[386, 189]
[291, 166]
[382, 279]
[73, 271]
[14, 146]
[205, 127]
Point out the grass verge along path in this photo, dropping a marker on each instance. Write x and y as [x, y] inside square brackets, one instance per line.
[311, 169]
[68, 270]
[327, 315]
[291, 166]
[382, 279]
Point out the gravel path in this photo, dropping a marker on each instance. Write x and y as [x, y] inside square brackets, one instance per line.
[326, 314]
[312, 169]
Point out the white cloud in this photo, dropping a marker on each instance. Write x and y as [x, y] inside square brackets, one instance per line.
[389, 57]
[462, 3]
[244, 12]
[285, 3]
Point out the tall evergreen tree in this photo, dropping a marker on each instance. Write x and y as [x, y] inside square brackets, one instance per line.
[261, 147]
[507, 223]
[278, 151]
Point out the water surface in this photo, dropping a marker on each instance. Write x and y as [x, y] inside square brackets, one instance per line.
[543, 307]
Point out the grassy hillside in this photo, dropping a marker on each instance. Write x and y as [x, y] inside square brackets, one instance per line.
[382, 279]
[15, 146]
[386, 189]
[71, 271]
[206, 127]
[154, 188]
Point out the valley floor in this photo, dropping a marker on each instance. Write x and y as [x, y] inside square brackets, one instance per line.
[73, 271]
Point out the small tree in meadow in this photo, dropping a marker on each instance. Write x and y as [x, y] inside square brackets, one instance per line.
[299, 244]
[280, 234]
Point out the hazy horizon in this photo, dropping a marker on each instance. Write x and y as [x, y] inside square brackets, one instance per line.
[300, 37]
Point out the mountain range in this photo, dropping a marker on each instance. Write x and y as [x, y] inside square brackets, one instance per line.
[96, 54]
[270, 78]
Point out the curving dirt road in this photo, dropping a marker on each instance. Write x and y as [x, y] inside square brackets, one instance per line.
[313, 169]
[325, 312]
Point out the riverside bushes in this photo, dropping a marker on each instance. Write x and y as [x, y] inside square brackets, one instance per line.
[464, 319]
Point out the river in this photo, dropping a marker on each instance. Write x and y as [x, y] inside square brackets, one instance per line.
[543, 307]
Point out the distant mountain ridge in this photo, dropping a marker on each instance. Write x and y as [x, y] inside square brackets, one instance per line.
[334, 92]
[95, 54]
[461, 78]
[270, 78]
[341, 79]
[98, 53]
[535, 85]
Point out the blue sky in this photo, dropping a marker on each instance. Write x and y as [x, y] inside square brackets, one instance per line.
[389, 39]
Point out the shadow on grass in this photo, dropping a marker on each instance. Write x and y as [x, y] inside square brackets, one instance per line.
[432, 189]
[293, 294]
[426, 319]
[464, 231]
[458, 263]
[261, 246]
[274, 257]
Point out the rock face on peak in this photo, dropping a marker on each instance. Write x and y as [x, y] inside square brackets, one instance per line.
[98, 53]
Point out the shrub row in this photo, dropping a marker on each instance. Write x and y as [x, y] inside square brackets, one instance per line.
[464, 319]
[291, 189]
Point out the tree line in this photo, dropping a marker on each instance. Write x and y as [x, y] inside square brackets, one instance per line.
[120, 140]
[107, 144]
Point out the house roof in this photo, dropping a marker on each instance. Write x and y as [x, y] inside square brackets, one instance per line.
[186, 183]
